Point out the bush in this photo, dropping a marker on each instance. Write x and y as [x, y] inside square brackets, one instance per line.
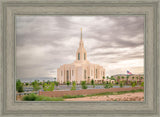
[84, 86]
[30, 97]
[73, 85]
[19, 86]
[133, 84]
[68, 83]
[35, 86]
[48, 87]
[109, 85]
[56, 83]
[142, 84]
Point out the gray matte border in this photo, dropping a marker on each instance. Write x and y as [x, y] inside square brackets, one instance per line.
[11, 108]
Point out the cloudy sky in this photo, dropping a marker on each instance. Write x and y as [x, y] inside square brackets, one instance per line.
[44, 43]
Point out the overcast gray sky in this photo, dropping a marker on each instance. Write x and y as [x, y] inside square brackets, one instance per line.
[46, 42]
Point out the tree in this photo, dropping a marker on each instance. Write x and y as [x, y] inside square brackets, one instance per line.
[133, 78]
[92, 83]
[48, 82]
[19, 86]
[118, 78]
[121, 84]
[35, 85]
[127, 79]
[141, 78]
[40, 83]
[48, 87]
[123, 77]
[27, 83]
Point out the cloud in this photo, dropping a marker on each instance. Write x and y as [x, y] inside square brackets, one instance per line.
[44, 43]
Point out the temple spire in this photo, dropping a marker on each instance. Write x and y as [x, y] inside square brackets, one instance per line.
[81, 33]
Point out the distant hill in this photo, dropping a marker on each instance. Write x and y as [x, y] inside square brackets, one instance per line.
[126, 74]
[41, 79]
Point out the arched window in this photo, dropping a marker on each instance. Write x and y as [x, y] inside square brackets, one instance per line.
[84, 56]
[84, 74]
[78, 56]
[67, 75]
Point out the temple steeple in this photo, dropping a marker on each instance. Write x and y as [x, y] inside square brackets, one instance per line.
[81, 41]
[81, 52]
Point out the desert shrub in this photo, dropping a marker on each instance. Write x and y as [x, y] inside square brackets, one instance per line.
[83, 84]
[73, 85]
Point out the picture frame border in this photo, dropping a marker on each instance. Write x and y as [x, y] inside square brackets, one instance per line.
[10, 107]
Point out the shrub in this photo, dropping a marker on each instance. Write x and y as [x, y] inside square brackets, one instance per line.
[35, 86]
[48, 87]
[73, 85]
[109, 85]
[68, 83]
[30, 97]
[133, 84]
[56, 83]
[83, 83]
[19, 86]
[142, 84]
[34, 97]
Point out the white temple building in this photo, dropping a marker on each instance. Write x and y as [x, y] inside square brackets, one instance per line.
[81, 69]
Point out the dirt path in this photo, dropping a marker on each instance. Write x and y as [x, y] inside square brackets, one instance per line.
[139, 96]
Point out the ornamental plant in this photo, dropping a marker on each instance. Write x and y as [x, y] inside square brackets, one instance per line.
[73, 85]
[83, 84]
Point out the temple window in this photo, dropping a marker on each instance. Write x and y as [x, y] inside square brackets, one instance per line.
[67, 75]
[84, 74]
[96, 73]
[84, 56]
[61, 73]
[78, 56]
[72, 72]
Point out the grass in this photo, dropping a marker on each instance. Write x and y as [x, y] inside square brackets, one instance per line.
[34, 97]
